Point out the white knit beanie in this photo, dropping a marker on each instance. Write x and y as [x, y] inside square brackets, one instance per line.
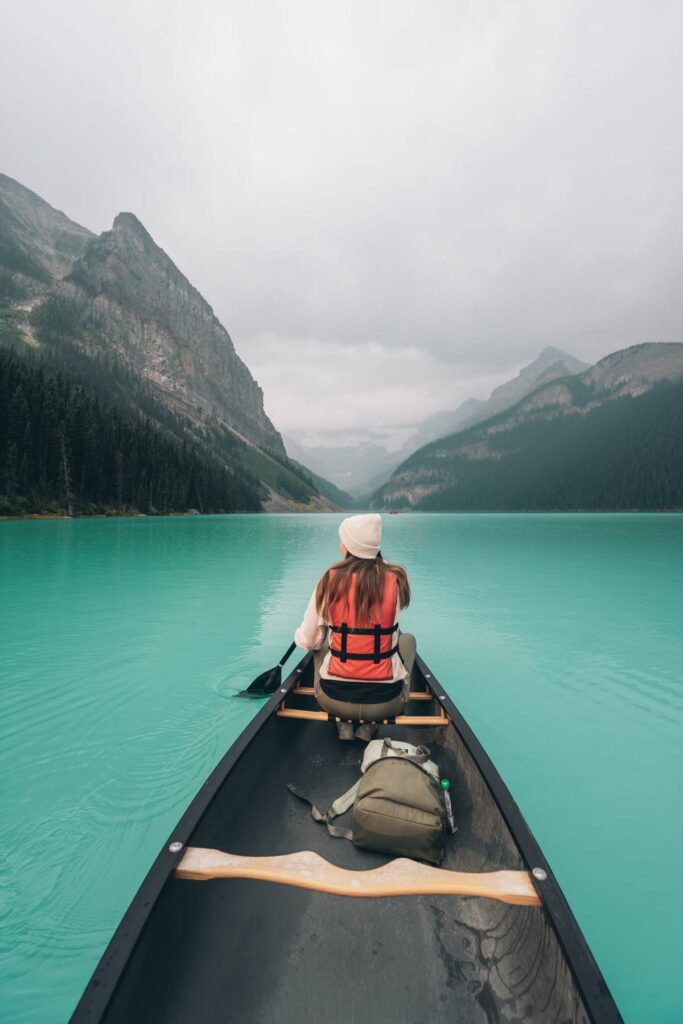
[362, 535]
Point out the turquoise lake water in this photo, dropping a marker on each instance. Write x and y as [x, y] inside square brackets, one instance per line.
[124, 642]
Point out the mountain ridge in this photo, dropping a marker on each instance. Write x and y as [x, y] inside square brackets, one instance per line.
[438, 473]
[123, 271]
[363, 467]
[118, 300]
[551, 362]
[53, 238]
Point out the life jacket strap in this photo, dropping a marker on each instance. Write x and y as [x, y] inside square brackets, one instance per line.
[345, 655]
[376, 631]
[383, 630]
[344, 639]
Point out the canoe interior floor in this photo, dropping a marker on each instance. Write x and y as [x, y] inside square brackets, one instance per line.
[242, 951]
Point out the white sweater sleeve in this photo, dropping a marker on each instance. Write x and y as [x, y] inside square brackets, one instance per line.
[312, 631]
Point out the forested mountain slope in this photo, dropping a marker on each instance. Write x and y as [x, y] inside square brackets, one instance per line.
[609, 438]
[63, 450]
[153, 343]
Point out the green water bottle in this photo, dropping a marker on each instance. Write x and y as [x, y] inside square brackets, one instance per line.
[445, 786]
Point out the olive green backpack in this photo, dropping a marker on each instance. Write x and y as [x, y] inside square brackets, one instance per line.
[398, 804]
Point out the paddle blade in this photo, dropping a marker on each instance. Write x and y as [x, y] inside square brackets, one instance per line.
[264, 685]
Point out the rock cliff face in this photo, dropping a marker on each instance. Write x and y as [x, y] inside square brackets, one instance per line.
[117, 313]
[632, 371]
[127, 299]
[136, 304]
[36, 241]
[579, 432]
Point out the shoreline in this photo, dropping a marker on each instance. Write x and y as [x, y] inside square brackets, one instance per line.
[462, 512]
[115, 515]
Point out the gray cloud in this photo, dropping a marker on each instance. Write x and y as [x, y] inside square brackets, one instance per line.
[352, 186]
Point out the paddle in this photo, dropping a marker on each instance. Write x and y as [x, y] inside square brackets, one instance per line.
[401, 877]
[268, 682]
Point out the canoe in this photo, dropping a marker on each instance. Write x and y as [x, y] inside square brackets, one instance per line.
[287, 942]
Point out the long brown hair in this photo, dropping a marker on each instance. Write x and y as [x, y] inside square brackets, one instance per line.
[370, 573]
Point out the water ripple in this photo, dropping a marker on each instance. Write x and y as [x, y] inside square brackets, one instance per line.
[125, 643]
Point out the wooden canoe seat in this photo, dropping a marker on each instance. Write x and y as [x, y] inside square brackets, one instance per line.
[401, 877]
[317, 715]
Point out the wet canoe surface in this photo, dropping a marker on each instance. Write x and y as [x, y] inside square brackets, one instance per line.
[241, 950]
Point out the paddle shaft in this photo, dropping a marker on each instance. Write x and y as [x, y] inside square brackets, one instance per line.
[286, 655]
[401, 877]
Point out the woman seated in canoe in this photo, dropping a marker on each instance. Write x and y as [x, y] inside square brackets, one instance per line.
[362, 662]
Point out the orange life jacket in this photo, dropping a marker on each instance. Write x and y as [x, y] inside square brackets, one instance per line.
[363, 650]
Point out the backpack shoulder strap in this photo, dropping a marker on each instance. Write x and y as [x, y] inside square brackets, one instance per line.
[340, 805]
[343, 802]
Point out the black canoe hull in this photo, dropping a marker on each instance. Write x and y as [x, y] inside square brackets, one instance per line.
[249, 951]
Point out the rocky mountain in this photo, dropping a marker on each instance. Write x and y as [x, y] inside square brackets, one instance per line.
[119, 301]
[610, 437]
[131, 300]
[360, 465]
[36, 241]
[549, 365]
[440, 424]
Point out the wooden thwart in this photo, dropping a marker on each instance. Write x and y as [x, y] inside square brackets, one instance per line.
[401, 877]
[322, 716]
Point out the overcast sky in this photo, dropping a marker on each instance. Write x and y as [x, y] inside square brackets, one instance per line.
[390, 205]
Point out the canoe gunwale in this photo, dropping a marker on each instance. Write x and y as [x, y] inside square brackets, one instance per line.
[92, 1005]
[589, 980]
[100, 988]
